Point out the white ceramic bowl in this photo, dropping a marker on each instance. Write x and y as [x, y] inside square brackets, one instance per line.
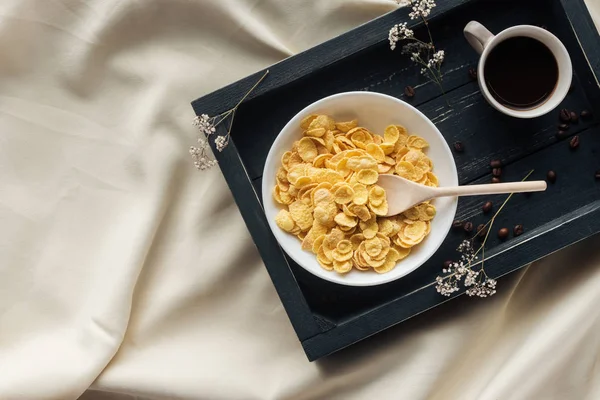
[374, 111]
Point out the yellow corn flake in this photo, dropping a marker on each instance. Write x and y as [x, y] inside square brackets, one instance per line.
[306, 121]
[412, 156]
[318, 242]
[322, 121]
[343, 220]
[316, 133]
[391, 134]
[356, 240]
[426, 212]
[346, 126]
[388, 148]
[344, 194]
[369, 228]
[307, 149]
[339, 256]
[347, 211]
[285, 159]
[432, 179]
[345, 141]
[367, 176]
[390, 262]
[361, 194]
[284, 220]
[319, 160]
[386, 226]
[373, 246]
[344, 246]
[405, 169]
[342, 267]
[416, 142]
[303, 181]
[294, 160]
[375, 151]
[361, 211]
[302, 214]
[416, 231]
[380, 210]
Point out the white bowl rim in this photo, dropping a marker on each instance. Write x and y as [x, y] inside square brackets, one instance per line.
[330, 275]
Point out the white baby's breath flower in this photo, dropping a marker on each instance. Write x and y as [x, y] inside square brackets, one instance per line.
[221, 142]
[205, 124]
[421, 8]
[399, 32]
[446, 287]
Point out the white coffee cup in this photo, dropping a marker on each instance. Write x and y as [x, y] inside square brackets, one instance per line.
[483, 41]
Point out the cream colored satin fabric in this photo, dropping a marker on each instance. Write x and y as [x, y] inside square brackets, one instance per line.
[124, 269]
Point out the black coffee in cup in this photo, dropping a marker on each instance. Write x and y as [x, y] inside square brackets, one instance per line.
[521, 72]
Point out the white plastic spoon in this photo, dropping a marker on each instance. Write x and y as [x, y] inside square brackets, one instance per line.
[403, 194]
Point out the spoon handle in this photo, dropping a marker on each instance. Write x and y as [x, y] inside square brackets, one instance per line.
[492, 188]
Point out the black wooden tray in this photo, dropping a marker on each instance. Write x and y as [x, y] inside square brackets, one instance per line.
[328, 317]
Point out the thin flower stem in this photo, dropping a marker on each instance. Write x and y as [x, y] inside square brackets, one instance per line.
[251, 89]
[493, 219]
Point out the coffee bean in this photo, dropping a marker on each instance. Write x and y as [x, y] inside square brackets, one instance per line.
[409, 91]
[457, 224]
[574, 117]
[551, 176]
[468, 227]
[518, 230]
[597, 175]
[481, 231]
[497, 172]
[561, 134]
[495, 163]
[447, 264]
[459, 147]
[563, 127]
[495, 179]
[473, 73]
[574, 143]
[503, 233]
[565, 115]
[487, 207]
[585, 114]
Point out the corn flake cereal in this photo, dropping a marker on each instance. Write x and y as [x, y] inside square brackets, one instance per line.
[326, 186]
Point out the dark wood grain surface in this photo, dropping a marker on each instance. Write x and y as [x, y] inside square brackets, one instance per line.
[328, 317]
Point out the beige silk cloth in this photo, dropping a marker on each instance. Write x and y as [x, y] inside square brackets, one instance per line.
[126, 273]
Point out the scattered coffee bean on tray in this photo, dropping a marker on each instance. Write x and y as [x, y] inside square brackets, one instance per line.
[518, 230]
[468, 227]
[473, 74]
[551, 176]
[459, 147]
[585, 114]
[495, 163]
[563, 127]
[574, 143]
[561, 134]
[481, 231]
[495, 179]
[487, 207]
[497, 172]
[458, 224]
[565, 115]
[597, 175]
[447, 264]
[409, 91]
[503, 233]
[574, 117]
